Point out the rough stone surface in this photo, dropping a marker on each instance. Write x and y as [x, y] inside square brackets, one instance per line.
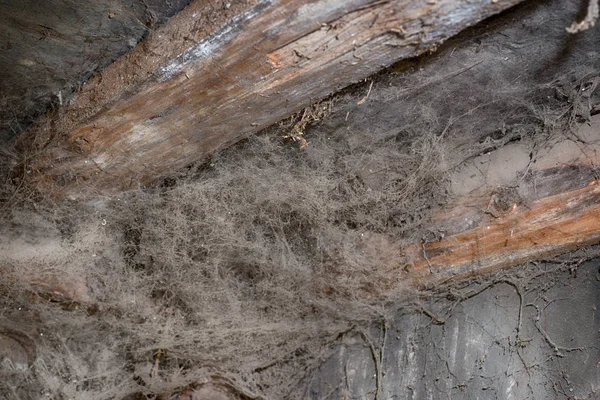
[480, 349]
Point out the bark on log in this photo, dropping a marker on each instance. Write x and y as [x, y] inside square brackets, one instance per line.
[270, 60]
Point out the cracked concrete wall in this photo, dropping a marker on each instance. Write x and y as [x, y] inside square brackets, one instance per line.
[481, 349]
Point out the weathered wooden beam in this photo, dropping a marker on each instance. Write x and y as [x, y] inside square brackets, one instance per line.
[554, 207]
[549, 226]
[273, 58]
[45, 283]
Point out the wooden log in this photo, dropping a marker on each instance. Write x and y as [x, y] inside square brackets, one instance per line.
[553, 208]
[271, 59]
[547, 227]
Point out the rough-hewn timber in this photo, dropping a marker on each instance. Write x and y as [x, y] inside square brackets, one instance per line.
[547, 227]
[49, 48]
[553, 209]
[272, 59]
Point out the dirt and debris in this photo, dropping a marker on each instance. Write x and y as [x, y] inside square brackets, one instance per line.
[251, 275]
[298, 122]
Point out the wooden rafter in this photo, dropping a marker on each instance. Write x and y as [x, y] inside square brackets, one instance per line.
[271, 59]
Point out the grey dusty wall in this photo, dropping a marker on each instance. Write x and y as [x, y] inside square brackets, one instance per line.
[481, 349]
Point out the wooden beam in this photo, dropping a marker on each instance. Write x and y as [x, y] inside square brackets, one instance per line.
[549, 226]
[554, 207]
[269, 60]
[46, 283]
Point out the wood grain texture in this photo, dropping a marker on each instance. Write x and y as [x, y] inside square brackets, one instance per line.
[548, 226]
[270, 60]
[553, 208]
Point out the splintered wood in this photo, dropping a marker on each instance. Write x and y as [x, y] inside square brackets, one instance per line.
[269, 61]
[546, 227]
